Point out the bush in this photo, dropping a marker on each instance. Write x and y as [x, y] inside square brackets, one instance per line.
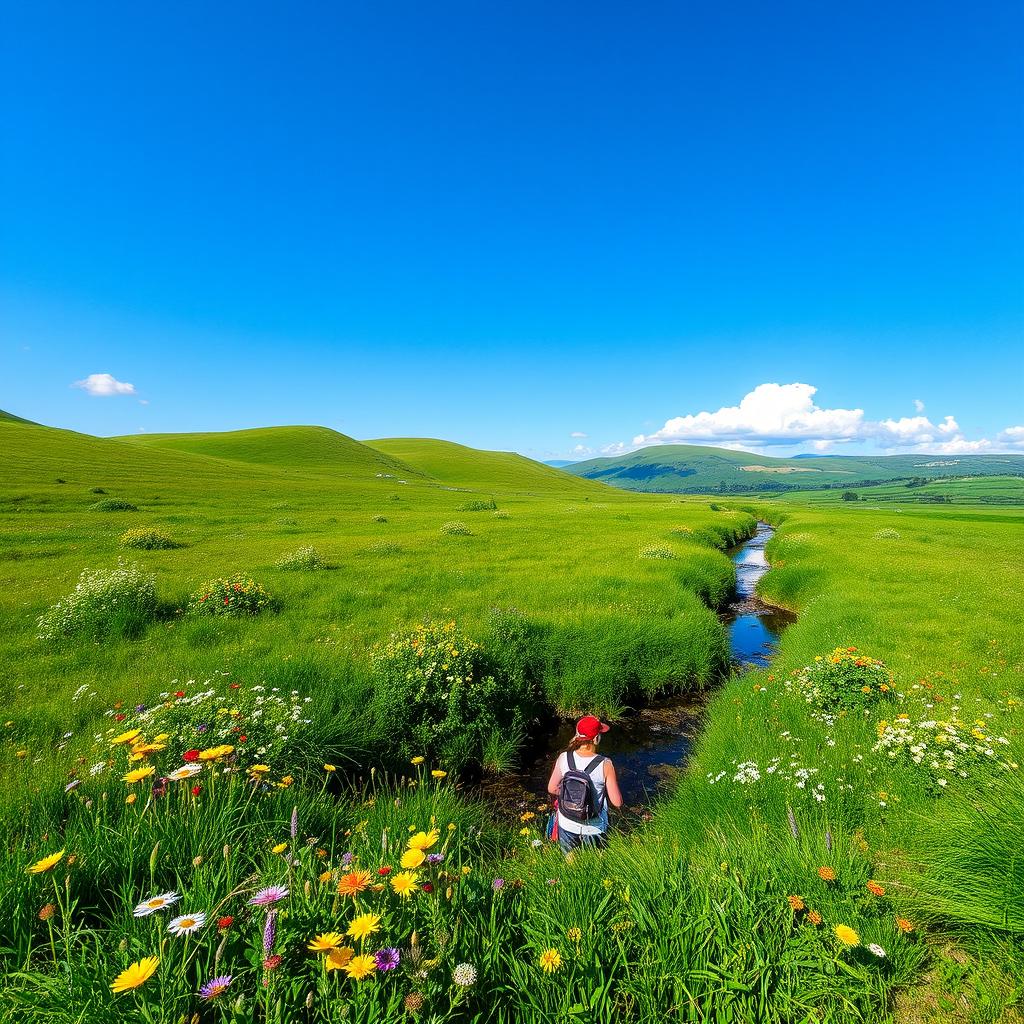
[432, 694]
[380, 519]
[234, 595]
[114, 505]
[851, 496]
[844, 679]
[97, 490]
[148, 540]
[482, 505]
[656, 551]
[303, 559]
[455, 528]
[105, 602]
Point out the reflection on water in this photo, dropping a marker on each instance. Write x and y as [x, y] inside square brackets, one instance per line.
[649, 746]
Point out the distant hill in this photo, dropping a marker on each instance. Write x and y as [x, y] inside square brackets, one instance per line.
[697, 469]
[455, 465]
[559, 463]
[316, 449]
[15, 419]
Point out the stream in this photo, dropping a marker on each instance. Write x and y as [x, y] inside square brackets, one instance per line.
[650, 746]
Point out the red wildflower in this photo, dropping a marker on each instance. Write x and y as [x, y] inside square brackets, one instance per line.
[385, 870]
[427, 887]
[120, 717]
[224, 923]
[190, 755]
[196, 790]
[273, 962]
[234, 686]
[227, 600]
[242, 738]
[179, 693]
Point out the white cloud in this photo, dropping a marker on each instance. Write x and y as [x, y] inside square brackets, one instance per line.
[103, 385]
[773, 416]
[143, 401]
[582, 449]
[578, 433]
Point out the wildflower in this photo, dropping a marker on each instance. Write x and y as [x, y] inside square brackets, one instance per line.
[330, 768]
[186, 924]
[155, 903]
[413, 858]
[215, 987]
[417, 760]
[46, 864]
[574, 934]
[325, 942]
[137, 974]
[186, 771]
[814, 917]
[550, 960]
[424, 840]
[72, 785]
[877, 950]
[438, 774]
[527, 816]
[139, 774]
[46, 912]
[190, 755]
[363, 926]
[875, 889]
[280, 848]
[269, 931]
[524, 831]
[268, 896]
[224, 923]
[353, 882]
[131, 798]
[827, 874]
[846, 935]
[464, 975]
[435, 858]
[271, 963]
[256, 770]
[796, 902]
[404, 883]
[498, 884]
[215, 753]
[384, 869]
[904, 925]
[360, 967]
[118, 741]
[387, 959]
[337, 958]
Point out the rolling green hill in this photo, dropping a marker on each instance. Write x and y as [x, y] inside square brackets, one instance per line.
[286, 448]
[975, 490]
[455, 465]
[697, 469]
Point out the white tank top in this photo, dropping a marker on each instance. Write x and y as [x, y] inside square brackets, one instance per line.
[596, 826]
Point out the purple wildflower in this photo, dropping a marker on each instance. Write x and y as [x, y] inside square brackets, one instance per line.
[435, 858]
[215, 987]
[295, 822]
[498, 883]
[73, 784]
[347, 858]
[267, 897]
[270, 931]
[140, 707]
[202, 727]
[387, 959]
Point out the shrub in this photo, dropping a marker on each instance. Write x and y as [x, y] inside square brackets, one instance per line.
[481, 505]
[715, 507]
[234, 595]
[114, 505]
[455, 528]
[148, 540]
[97, 490]
[656, 551]
[851, 496]
[681, 531]
[844, 679]
[303, 559]
[105, 602]
[888, 533]
[432, 694]
[380, 519]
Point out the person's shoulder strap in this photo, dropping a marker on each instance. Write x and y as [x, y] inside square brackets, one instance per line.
[594, 762]
[570, 760]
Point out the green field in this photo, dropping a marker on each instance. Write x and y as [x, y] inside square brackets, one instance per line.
[722, 907]
[700, 469]
[979, 490]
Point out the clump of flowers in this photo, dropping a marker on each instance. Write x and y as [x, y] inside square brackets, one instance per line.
[456, 528]
[147, 540]
[232, 595]
[656, 551]
[844, 679]
[102, 600]
[943, 751]
[304, 559]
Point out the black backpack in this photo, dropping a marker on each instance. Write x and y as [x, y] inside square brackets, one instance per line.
[577, 798]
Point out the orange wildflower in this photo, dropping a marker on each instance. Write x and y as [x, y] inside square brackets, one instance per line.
[353, 882]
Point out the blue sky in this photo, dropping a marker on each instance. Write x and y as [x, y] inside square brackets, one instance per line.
[639, 223]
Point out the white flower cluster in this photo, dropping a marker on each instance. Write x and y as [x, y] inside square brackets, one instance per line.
[99, 595]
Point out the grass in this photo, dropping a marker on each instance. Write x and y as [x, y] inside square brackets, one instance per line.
[707, 912]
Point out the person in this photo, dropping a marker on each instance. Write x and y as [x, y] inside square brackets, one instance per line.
[581, 756]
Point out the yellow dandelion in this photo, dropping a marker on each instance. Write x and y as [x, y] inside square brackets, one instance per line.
[413, 858]
[438, 774]
[550, 960]
[363, 926]
[46, 864]
[338, 958]
[360, 967]
[325, 942]
[846, 935]
[404, 883]
[125, 737]
[138, 774]
[425, 840]
[137, 974]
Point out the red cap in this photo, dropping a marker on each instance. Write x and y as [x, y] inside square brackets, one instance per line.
[588, 727]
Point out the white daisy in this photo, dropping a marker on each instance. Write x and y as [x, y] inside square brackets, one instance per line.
[876, 949]
[186, 924]
[155, 903]
[186, 771]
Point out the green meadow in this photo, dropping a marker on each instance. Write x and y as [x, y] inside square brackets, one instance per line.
[844, 843]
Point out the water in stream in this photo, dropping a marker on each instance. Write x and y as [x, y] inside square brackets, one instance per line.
[649, 746]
